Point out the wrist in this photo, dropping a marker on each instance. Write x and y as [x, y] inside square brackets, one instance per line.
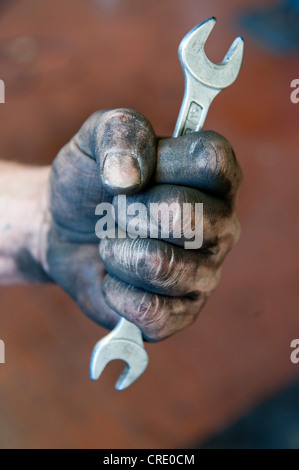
[23, 208]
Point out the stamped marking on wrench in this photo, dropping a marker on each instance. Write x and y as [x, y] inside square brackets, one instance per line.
[203, 81]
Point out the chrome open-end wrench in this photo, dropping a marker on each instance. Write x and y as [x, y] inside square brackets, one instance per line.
[123, 342]
[203, 81]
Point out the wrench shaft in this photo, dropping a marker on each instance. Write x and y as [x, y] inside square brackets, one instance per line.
[195, 106]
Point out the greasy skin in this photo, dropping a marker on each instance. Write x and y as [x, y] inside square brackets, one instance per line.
[157, 284]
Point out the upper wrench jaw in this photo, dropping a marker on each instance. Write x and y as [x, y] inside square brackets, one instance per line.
[194, 60]
[132, 353]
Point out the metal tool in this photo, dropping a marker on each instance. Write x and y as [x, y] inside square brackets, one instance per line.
[124, 342]
[203, 81]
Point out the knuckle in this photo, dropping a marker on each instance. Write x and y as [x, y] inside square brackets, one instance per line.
[163, 317]
[216, 160]
[158, 266]
[227, 238]
[146, 262]
[151, 315]
[218, 154]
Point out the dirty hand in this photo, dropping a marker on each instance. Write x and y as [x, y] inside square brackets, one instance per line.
[157, 284]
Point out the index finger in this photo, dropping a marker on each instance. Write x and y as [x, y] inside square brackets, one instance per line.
[204, 160]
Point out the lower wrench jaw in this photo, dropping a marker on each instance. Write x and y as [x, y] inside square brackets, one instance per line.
[122, 382]
[127, 377]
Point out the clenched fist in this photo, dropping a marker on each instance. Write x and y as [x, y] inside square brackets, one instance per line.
[157, 284]
[153, 282]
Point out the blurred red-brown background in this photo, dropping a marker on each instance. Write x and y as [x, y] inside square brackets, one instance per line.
[61, 61]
